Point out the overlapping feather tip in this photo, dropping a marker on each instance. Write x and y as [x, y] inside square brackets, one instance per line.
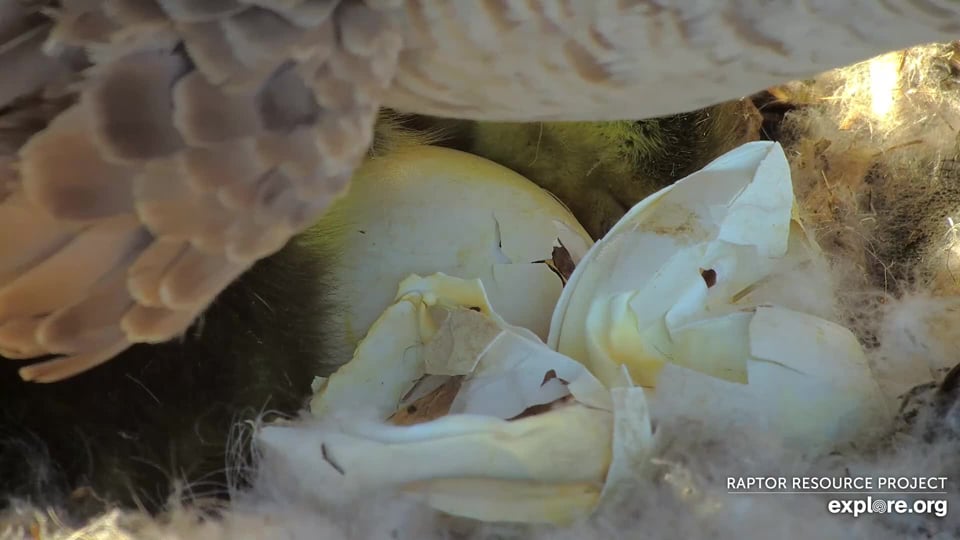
[193, 138]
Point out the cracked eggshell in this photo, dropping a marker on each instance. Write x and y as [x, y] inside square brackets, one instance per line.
[425, 209]
[547, 468]
[429, 331]
[522, 434]
[691, 288]
[805, 379]
[654, 256]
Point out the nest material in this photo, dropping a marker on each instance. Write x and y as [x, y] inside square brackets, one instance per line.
[874, 151]
[874, 154]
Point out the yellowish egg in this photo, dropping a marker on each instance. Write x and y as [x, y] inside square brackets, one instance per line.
[425, 209]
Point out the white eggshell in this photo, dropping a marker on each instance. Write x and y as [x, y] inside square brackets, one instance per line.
[505, 365]
[547, 468]
[656, 249]
[680, 291]
[805, 380]
[426, 209]
[483, 459]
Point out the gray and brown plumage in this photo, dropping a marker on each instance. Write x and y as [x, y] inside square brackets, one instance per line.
[153, 150]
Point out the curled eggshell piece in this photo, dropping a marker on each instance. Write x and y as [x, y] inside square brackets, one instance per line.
[510, 430]
[690, 291]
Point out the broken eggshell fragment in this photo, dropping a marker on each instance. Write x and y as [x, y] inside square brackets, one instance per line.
[695, 291]
[496, 426]
[426, 209]
[442, 326]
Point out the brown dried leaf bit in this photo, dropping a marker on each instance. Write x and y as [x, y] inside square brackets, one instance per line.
[434, 405]
[551, 375]
[563, 262]
[544, 407]
[560, 263]
[709, 276]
